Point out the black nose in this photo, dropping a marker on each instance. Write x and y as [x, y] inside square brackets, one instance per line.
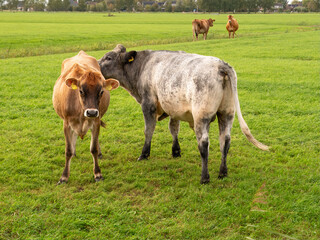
[91, 113]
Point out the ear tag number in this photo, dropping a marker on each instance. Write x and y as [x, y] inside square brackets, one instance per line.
[131, 59]
[73, 86]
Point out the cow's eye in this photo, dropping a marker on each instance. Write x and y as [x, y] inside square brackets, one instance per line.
[108, 58]
[81, 92]
[101, 93]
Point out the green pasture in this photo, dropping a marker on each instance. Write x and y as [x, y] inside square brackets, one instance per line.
[267, 195]
[29, 34]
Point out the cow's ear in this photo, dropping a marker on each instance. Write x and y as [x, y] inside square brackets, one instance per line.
[72, 83]
[111, 84]
[130, 57]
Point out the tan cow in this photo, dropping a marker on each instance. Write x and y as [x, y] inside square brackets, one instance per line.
[81, 97]
[232, 25]
[201, 26]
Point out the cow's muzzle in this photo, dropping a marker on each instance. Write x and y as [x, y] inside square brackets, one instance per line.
[91, 113]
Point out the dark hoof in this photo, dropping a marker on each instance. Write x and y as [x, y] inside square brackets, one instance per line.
[98, 179]
[205, 180]
[143, 157]
[222, 175]
[176, 154]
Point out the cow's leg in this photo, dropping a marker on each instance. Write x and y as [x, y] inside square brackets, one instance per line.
[204, 36]
[197, 36]
[229, 34]
[225, 124]
[149, 114]
[174, 126]
[69, 152]
[95, 150]
[74, 137]
[202, 133]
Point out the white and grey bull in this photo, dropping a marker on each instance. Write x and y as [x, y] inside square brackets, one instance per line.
[186, 87]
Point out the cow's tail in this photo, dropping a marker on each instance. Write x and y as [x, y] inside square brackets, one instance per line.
[228, 70]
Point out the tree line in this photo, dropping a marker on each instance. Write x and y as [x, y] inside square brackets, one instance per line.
[161, 5]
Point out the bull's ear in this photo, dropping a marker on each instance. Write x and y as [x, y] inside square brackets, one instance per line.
[130, 56]
[72, 83]
[111, 84]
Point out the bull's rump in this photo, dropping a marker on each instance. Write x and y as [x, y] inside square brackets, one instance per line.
[185, 84]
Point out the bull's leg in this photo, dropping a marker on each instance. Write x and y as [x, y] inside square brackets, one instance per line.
[174, 126]
[149, 114]
[225, 124]
[95, 150]
[202, 133]
[69, 152]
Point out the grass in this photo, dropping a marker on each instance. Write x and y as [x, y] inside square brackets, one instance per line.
[267, 195]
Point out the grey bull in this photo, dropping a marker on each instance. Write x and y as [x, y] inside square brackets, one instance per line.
[185, 87]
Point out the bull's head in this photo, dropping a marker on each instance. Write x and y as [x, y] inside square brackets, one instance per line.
[91, 86]
[112, 63]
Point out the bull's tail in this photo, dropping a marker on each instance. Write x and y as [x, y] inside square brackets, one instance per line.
[102, 124]
[244, 127]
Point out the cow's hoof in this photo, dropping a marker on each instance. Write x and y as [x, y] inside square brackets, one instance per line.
[176, 154]
[98, 179]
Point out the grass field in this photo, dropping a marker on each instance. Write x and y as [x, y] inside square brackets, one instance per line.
[267, 195]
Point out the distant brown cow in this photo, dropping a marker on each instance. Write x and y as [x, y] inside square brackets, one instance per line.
[81, 97]
[201, 26]
[232, 25]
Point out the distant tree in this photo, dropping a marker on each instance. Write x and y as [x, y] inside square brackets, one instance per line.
[252, 5]
[266, 4]
[312, 5]
[12, 4]
[284, 3]
[168, 6]
[1, 3]
[82, 6]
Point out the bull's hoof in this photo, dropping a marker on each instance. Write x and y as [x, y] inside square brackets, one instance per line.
[205, 180]
[176, 154]
[223, 172]
[222, 175]
[143, 157]
[98, 179]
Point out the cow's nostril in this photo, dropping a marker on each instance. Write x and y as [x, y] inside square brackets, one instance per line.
[91, 113]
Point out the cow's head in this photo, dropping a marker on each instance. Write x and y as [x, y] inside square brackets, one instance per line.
[230, 18]
[91, 86]
[112, 63]
[210, 21]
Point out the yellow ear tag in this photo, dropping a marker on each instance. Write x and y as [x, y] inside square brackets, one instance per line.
[131, 59]
[73, 86]
[109, 87]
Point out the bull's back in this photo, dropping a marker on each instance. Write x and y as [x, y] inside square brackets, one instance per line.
[181, 80]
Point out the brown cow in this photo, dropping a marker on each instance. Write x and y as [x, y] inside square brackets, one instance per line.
[232, 25]
[201, 26]
[81, 97]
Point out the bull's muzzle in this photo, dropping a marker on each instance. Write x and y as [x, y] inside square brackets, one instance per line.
[91, 113]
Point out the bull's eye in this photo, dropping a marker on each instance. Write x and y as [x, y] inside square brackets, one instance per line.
[108, 58]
